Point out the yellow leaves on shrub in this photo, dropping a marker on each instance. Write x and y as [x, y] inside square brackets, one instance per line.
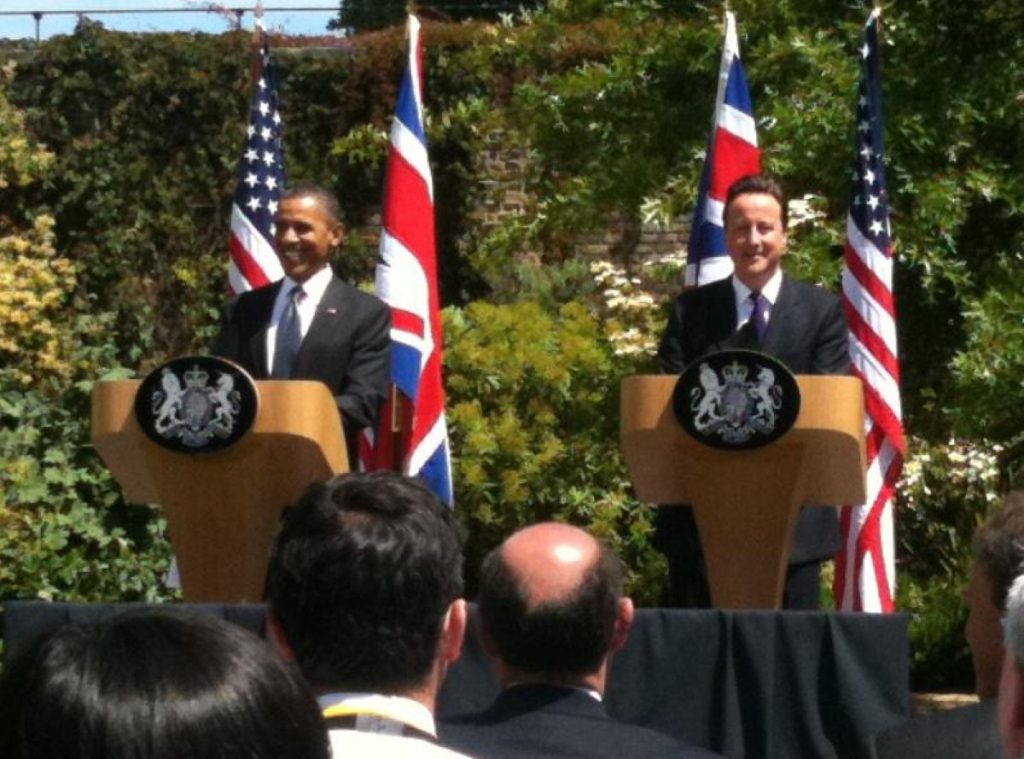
[21, 160]
[34, 289]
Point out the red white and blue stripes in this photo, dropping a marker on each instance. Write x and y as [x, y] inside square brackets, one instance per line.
[865, 570]
[260, 179]
[407, 281]
[732, 153]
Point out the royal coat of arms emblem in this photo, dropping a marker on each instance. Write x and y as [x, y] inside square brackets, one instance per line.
[196, 404]
[737, 399]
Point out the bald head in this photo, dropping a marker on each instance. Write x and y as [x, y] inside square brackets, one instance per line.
[551, 602]
[550, 561]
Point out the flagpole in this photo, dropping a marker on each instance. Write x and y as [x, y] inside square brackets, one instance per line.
[255, 59]
[401, 408]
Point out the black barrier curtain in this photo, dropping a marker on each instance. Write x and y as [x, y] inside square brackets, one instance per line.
[747, 684]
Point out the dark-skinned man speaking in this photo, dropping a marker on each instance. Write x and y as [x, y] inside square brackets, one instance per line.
[311, 325]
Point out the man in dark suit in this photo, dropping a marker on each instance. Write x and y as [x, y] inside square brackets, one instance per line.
[552, 614]
[970, 732]
[311, 325]
[760, 308]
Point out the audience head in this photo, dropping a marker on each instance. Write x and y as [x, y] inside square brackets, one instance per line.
[551, 606]
[1011, 686]
[152, 685]
[998, 559]
[365, 583]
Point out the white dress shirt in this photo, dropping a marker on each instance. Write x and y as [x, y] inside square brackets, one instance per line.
[745, 306]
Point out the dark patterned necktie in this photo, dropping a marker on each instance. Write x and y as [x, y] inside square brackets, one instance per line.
[759, 316]
[289, 336]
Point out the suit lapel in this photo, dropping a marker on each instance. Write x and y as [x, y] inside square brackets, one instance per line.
[258, 344]
[785, 322]
[726, 305]
[725, 312]
[324, 326]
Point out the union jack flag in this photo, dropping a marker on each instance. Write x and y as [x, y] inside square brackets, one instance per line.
[407, 281]
[865, 574]
[260, 178]
[732, 152]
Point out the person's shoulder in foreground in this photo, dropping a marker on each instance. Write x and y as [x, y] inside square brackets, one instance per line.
[552, 615]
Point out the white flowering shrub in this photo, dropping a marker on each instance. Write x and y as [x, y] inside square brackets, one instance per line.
[946, 491]
[806, 211]
[631, 315]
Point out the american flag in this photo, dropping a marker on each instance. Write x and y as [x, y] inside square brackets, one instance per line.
[732, 153]
[260, 178]
[865, 573]
[407, 281]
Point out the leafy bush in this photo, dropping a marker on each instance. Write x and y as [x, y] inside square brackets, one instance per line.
[947, 490]
[64, 532]
[533, 408]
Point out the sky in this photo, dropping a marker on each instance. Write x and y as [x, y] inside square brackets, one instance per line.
[194, 16]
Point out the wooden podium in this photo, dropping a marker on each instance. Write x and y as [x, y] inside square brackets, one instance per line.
[746, 502]
[223, 508]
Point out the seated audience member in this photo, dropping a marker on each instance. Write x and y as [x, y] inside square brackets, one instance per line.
[552, 614]
[364, 587]
[152, 685]
[970, 731]
[1011, 685]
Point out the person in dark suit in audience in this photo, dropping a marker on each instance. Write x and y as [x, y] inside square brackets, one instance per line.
[311, 325]
[364, 589]
[970, 731]
[760, 308]
[552, 614]
[156, 685]
[1011, 684]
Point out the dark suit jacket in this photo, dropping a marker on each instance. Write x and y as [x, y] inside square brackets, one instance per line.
[806, 331]
[347, 347]
[541, 722]
[969, 732]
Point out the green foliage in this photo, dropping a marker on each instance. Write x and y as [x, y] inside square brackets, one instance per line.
[63, 531]
[947, 491]
[619, 85]
[940, 660]
[64, 534]
[144, 161]
[365, 15]
[535, 430]
[990, 371]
